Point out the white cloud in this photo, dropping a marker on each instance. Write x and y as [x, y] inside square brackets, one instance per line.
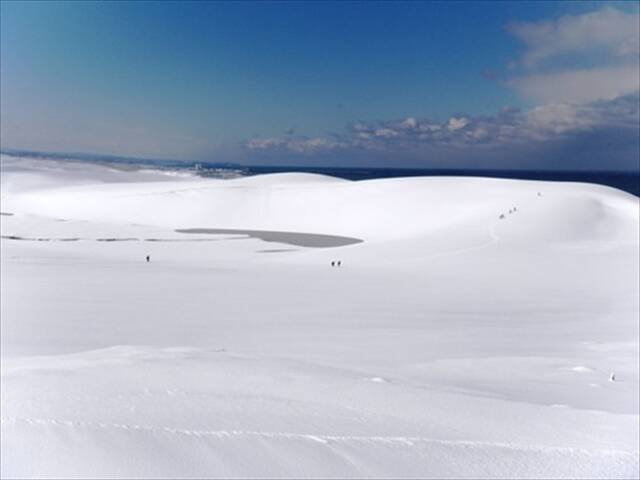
[607, 40]
[265, 143]
[386, 133]
[480, 133]
[610, 30]
[410, 123]
[583, 110]
[553, 122]
[579, 86]
[557, 119]
[429, 127]
[293, 144]
[457, 123]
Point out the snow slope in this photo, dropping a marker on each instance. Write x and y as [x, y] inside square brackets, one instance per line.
[375, 209]
[450, 343]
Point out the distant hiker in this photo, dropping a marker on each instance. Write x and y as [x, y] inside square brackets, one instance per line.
[333, 264]
[501, 216]
[612, 377]
[339, 262]
[148, 258]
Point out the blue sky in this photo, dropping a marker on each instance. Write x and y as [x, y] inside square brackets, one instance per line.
[385, 84]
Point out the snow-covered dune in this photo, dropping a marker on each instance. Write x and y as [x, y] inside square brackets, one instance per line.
[471, 333]
[372, 210]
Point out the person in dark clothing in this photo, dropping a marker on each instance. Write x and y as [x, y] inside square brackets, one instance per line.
[333, 264]
[148, 258]
[339, 262]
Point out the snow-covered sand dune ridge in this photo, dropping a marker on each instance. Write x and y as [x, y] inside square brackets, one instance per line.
[371, 210]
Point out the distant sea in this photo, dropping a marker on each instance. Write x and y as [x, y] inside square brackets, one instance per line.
[627, 181]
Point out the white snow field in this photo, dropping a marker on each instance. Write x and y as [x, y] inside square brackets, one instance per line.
[449, 343]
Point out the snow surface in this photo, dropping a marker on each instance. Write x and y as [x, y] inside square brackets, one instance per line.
[449, 343]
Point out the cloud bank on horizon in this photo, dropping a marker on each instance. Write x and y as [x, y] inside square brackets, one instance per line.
[589, 110]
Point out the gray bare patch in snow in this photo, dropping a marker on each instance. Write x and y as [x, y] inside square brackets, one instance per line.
[291, 238]
[113, 239]
[299, 239]
[187, 239]
[14, 237]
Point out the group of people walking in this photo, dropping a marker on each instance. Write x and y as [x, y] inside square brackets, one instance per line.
[512, 210]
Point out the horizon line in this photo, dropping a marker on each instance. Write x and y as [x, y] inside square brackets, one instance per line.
[85, 156]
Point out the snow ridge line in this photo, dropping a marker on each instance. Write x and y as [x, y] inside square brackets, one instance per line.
[322, 439]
